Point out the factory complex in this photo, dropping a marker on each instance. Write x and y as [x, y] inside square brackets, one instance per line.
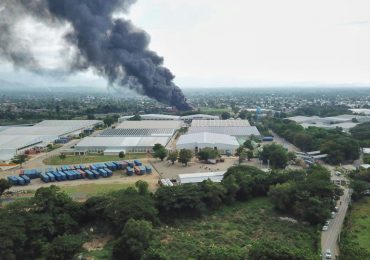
[18, 139]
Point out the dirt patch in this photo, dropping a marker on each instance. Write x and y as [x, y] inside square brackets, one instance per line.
[97, 243]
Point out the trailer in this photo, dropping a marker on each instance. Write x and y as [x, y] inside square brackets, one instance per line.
[13, 180]
[137, 163]
[97, 174]
[109, 172]
[58, 177]
[21, 181]
[51, 176]
[62, 175]
[78, 174]
[32, 174]
[148, 169]
[44, 177]
[26, 179]
[70, 175]
[268, 139]
[131, 164]
[103, 173]
[130, 171]
[89, 174]
[142, 169]
[83, 173]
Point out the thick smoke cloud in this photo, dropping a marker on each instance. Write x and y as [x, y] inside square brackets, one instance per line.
[114, 48]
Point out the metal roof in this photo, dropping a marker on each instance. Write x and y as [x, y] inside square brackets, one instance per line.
[138, 132]
[122, 141]
[220, 123]
[159, 116]
[200, 116]
[208, 139]
[234, 131]
[201, 176]
[150, 124]
[77, 124]
[18, 141]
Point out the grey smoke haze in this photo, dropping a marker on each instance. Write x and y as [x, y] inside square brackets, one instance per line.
[114, 48]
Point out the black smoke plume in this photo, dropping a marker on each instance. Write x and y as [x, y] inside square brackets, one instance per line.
[113, 47]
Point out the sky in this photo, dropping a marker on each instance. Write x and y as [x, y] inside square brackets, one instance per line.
[239, 43]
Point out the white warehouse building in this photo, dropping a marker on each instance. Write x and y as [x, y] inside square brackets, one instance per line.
[221, 142]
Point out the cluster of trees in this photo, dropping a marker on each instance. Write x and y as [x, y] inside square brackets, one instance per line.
[53, 226]
[184, 156]
[322, 110]
[362, 133]
[276, 155]
[307, 195]
[338, 145]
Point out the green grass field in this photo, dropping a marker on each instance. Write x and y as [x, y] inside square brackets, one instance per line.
[359, 224]
[238, 225]
[91, 189]
[72, 159]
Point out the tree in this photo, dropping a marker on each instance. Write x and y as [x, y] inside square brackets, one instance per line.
[156, 147]
[19, 159]
[225, 115]
[63, 247]
[135, 118]
[142, 187]
[121, 154]
[366, 158]
[359, 188]
[136, 238]
[248, 144]
[62, 156]
[291, 156]
[276, 155]
[185, 156]
[161, 153]
[303, 141]
[109, 120]
[249, 155]
[172, 156]
[90, 117]
[242, 156]
[208, 153]
[4, 185]
[239, 150]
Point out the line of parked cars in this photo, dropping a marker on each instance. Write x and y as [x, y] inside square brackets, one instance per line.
[73, 172]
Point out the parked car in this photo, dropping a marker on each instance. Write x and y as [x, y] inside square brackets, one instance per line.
[324, 228]
[328, 254]
[327, 223]
[332, 214]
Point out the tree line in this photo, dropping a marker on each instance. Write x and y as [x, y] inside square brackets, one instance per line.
[53, 226]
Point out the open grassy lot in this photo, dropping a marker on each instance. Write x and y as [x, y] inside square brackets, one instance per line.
[358, 225]
[235, 226]
[72, 159]
[91, 189]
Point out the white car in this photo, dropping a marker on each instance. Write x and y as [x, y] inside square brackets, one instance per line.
[332, 214]
[327, 223]
[324, 228]
[328, 254]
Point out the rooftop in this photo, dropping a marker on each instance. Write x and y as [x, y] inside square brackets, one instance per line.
[220, 123]
[234, 131]
[201, 176]
[150, 124]
[121, 141]
[207, 138]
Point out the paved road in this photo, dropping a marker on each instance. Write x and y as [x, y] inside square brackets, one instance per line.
[330, 237]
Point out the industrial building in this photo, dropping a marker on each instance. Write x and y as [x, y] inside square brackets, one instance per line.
[17, 139]
[240, 129]
[199, 177]
[130, 137]
[159, 117]
[197, 141]
[115, 145]
[162, 117]
[346, 122]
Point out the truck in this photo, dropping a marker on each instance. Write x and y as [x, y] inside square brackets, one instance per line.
[89, 174]
[103, 173]
[44, 177]
[13, 180]
[96, 173]
[62, 175]
[32, 173]
[26, 179]
[129, 171]
[131, 164]
[137, 163]
[57, 175]
[51, 176]
[109, 172]
[148, 169]
[21, 181]
[268, 139]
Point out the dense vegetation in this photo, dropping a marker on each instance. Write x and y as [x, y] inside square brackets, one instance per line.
[362, 133]
[52, 226]
[339, 146]
[322, 110]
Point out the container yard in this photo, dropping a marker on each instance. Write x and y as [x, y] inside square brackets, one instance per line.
[77, 172]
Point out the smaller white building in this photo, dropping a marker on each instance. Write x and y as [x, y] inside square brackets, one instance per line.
[199, 117]
[366, 150]
[197, 141]
[199, 177]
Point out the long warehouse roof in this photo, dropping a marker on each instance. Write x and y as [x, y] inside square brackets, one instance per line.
[78, 124]
[150, 124]
[122, 141]
[138, 132]
[207, 138]
[18, 141]
[234, 131]
[201, 176]
[220, 123]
